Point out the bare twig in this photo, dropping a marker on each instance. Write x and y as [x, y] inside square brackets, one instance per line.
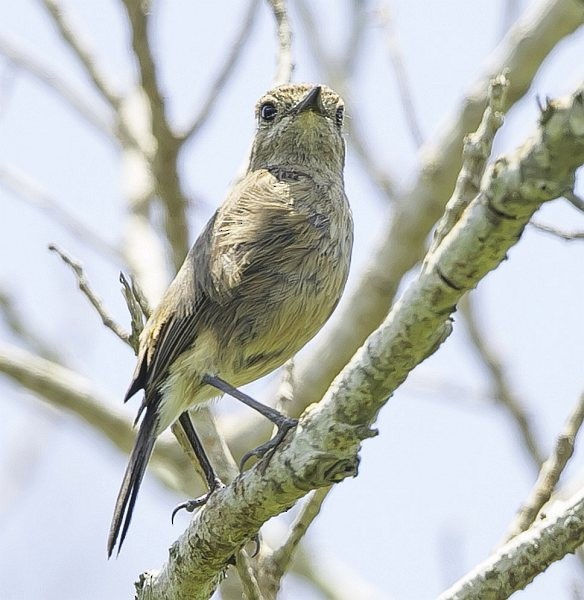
[136, 314]
[401, 76]
[475, 153]
[140, 297]
[28, 63]
[276, 564]
[247, 576]
[91, 295]
[80, 48]
[574, 199]
[569, 236]
[28, 190]
[550, 473]
[502, 389]
[231, 61]
[285, 63]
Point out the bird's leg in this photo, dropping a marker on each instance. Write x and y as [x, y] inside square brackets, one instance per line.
[282, 422]
[212, 480]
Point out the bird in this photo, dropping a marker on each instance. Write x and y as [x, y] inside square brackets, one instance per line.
[260, 281]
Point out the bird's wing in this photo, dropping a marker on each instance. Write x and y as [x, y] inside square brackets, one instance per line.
[174, 325]
[247, 235]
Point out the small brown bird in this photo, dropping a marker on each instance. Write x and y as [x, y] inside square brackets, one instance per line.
[260, 281]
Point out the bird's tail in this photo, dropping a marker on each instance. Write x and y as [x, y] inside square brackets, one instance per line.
[132, 480]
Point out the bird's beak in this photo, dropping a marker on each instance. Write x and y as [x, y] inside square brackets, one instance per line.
[312, 101]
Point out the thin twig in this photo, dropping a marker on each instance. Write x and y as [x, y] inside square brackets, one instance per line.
[475, 153]
[249, 582]
[228, 69]
[401, 76]
[31, 192]
[550, 472]
[574, 199]
[135, 309]
[91, 295]
[285, 63]
[25, 61]
[569, 236]
[140, 297]
[79, 46]
[138, 15]
[502, 389]
[275, 565]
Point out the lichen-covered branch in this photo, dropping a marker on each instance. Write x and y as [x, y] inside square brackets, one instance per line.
[522, 52]
[323, 448]
[515, 565]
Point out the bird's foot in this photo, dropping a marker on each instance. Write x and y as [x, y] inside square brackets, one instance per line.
[191, 505]
[284, 425]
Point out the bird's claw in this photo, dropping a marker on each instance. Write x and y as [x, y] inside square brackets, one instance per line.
[256, 540]
[283, 427]
[192, 505]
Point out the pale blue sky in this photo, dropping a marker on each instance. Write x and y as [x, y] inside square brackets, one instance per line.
[439, 486]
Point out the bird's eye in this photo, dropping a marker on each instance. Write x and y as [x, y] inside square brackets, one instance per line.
[339, 116]
[268, 111]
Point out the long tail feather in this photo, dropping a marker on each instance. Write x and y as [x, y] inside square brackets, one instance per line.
[132, 480]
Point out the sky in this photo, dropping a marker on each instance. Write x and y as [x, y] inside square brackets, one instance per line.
[439, 486]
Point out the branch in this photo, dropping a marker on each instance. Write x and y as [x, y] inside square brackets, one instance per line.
[96, 302]
[322, 450]
[276, 564]
[575, 200]
[165, 158]
[416, 211]
[67, 390]
[550, 473]
[79, 47]
[29, 191]
[25, 61]
[517, 563]
[502, 389]
[569, 236]
[476, 151]
[285, 63]
[401, 76]
[136, 311]
[231, 61]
